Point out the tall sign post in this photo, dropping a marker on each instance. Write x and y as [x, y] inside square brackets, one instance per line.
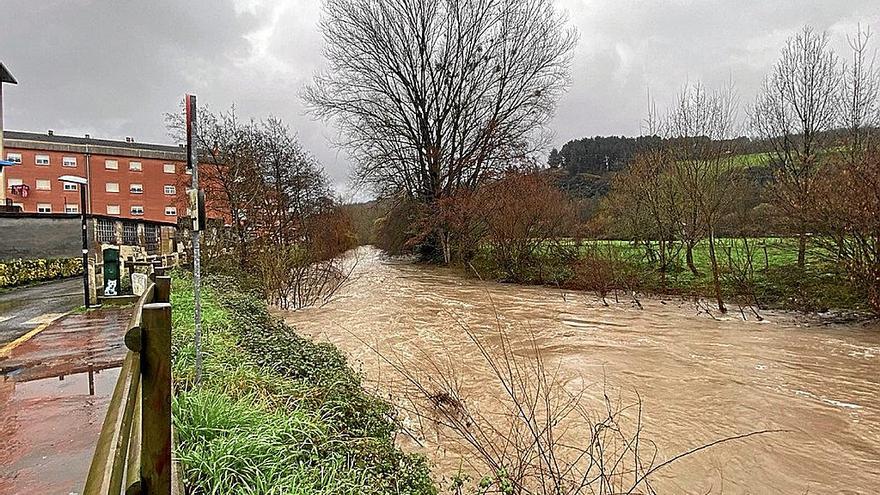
[192, 164]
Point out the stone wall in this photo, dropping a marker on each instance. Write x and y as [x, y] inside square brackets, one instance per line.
[43, 236]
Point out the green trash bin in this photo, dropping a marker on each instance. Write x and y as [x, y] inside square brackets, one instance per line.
[111, 271]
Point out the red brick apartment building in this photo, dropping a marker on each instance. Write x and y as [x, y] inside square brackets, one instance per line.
[127, 179]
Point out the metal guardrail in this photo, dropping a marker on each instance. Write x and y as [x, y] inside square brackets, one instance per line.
[133, 455]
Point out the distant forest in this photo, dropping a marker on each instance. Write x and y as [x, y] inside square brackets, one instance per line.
[587, 166]
[600, 154]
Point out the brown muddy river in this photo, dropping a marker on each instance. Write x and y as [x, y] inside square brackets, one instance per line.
[699, 378]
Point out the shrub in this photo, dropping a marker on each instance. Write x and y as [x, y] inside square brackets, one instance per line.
[526, 215]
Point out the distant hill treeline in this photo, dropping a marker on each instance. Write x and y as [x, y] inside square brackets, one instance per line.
[600, 154]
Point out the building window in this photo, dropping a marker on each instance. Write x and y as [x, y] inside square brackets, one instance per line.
[136, 188]
[68, 208]
[170, 190]
[137, 210]
[113, 209]
[69, 162]
[68, 186]
[41, 160]
[13, 157]
[169, 168]
[105, 230]
[111, 164]
[135, 166]
[170, 211]
[112, 187]
[13, 182]
[152, 236]
[129, 234]
[44, 208]
[44, 185]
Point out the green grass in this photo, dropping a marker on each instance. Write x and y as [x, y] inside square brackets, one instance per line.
[752, 160]
[276, 413]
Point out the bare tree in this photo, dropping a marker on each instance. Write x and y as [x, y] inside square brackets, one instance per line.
[797, 104]
[229, 160]
[288, 231]
[860, 96]
[431, 95]
[646, 206]
[699, 129]
[526, 215]
[294, 187]
[847, 211]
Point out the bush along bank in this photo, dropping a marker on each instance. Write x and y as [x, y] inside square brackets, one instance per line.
[19, 271]
[765, 277]
[276, 413]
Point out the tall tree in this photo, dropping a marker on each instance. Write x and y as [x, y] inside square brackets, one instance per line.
[229, 160]
[294, 187]
[699, 129]
[646, 206]
[555, 160]
[860, 93]
[797, 104]
[433, 95]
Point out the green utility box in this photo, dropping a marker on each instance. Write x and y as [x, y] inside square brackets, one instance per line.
[111, 271]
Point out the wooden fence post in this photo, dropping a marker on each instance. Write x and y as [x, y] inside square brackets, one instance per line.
[156, 388]
[163, 289]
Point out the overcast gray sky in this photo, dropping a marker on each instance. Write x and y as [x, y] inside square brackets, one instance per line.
[112, 68]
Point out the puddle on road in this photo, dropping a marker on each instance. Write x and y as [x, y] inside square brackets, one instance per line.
[97, 382]
[49, 428]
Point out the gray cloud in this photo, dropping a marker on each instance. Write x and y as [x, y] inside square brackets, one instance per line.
[113, 68]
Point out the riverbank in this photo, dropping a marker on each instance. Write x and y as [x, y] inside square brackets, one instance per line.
[760, 273]
[275, 410]
[699, 377]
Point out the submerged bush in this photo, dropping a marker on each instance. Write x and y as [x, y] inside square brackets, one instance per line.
[276, 413]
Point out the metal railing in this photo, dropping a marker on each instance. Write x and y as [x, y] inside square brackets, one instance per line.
[133, 455]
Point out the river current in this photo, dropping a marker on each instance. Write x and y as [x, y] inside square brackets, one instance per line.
[700, 377]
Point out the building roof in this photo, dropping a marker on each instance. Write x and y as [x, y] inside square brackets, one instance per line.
[6, 76]
[110, 143]
[54, 142]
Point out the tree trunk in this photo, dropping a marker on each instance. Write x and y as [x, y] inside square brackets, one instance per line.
[715, 279]
[447, 249]
[690, 258]
[802, 249]
[662, 262]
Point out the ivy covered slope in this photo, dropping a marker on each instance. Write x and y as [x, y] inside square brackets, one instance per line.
[276, 413]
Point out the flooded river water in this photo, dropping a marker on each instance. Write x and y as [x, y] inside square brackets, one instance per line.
[699, 378]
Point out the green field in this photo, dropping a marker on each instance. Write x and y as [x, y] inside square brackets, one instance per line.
[752, 160]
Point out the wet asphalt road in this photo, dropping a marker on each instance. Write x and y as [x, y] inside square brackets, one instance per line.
[21, 310]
